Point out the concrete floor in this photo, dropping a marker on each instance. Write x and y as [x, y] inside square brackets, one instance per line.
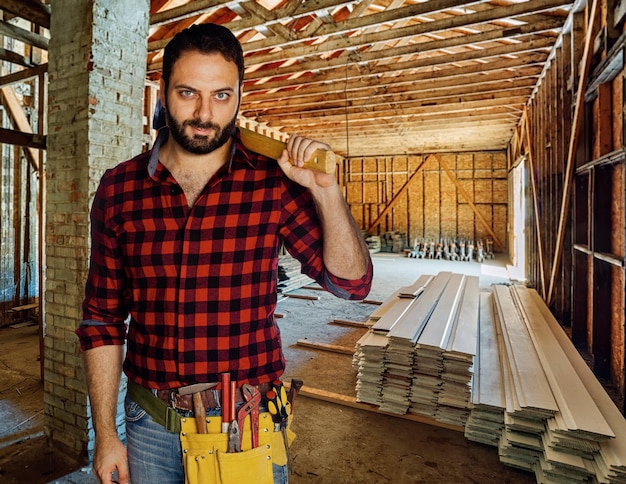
[352, 445]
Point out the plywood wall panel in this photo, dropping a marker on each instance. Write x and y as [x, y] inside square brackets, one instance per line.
[432, 205]
[448, 208]
[499, 223]
[500, 191]
[466, 227]
[487, 214]
[483, 191]
[465, 161]
[432, 197]
[482, 161]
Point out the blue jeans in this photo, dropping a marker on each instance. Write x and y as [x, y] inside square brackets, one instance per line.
[154, 454]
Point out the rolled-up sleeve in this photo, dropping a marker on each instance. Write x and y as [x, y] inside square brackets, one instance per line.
[302, 234]
[104, 311]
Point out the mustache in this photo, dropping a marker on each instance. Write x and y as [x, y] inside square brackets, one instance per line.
[196, 123]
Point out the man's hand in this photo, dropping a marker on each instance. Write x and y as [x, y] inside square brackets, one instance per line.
[299, 150]
[110, 457]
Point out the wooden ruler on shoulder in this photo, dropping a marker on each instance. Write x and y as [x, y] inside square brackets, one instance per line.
[324, 161]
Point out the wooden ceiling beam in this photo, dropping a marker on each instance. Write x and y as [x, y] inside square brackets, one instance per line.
[23, 35]
[380, 112]
[387, 92]
[350, 42]
[500, 115]
[15, 58]
[533, 60]
[32, 10]
[23, 75]
[347, 67]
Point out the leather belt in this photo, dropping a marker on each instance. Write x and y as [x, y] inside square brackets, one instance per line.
[209, 398]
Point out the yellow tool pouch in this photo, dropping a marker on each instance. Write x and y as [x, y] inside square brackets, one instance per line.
[207, 460]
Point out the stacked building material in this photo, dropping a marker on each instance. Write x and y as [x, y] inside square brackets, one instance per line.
[368, 360]
[502, 357]
[289, 275]
[420, 366]
[431, 344]
[559, 421]
[459, 358]
[486, 421]
[400, 354]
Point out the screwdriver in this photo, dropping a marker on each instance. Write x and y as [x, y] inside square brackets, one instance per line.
[277, 406]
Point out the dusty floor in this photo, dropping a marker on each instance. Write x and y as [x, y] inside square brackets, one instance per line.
[335, 444]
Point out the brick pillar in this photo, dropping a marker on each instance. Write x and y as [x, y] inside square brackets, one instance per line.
[97, 61]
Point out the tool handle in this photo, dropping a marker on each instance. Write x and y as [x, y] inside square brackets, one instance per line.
[233, 400]
[323, 161]
[199, 413]
[294, 388]
[226, 417]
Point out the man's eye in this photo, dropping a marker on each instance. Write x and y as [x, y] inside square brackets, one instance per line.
[186, 93]
[222, 96]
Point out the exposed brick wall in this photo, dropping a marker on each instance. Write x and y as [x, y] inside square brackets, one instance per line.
[95, 101]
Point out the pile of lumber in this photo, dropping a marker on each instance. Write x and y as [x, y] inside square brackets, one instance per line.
[499, 366]
[535, 398]
[419, 353]
[290, 276]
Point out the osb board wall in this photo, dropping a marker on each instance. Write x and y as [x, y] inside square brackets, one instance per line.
[426, 202]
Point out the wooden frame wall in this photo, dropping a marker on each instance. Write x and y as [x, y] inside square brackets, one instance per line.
[575, 133]
[431, 196]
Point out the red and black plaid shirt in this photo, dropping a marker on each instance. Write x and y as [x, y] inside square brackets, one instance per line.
[199, 284]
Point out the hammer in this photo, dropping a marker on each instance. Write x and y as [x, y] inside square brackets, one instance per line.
[294, 388]
[199, 409]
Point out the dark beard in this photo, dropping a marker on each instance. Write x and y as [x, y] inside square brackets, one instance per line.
[200, 145]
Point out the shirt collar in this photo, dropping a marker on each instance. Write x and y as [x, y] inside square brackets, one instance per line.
[238, 148]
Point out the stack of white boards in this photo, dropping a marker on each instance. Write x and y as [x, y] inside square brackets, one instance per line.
[499, 365]
[535, 398]
[419, 353]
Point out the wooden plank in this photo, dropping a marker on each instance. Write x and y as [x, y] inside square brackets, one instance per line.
[533, 185]
[411, 322]
[25, 307]
[488, 389]
[442, 319]
[350, 401]
[530, 382]
[324, 161]
[571, 153]
[394, 307]
[576, 405]
[370, 301]
[325, 347]
[352, 324]
[464, 337]
[302, 296]
[614, 450]
[22, 75]
[32, 10]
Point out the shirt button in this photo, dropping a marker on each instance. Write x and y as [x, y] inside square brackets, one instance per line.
[174, 191]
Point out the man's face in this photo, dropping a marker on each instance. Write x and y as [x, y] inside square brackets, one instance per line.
[202, 101]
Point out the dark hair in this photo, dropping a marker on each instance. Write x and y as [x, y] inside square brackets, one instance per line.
[204, 38]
